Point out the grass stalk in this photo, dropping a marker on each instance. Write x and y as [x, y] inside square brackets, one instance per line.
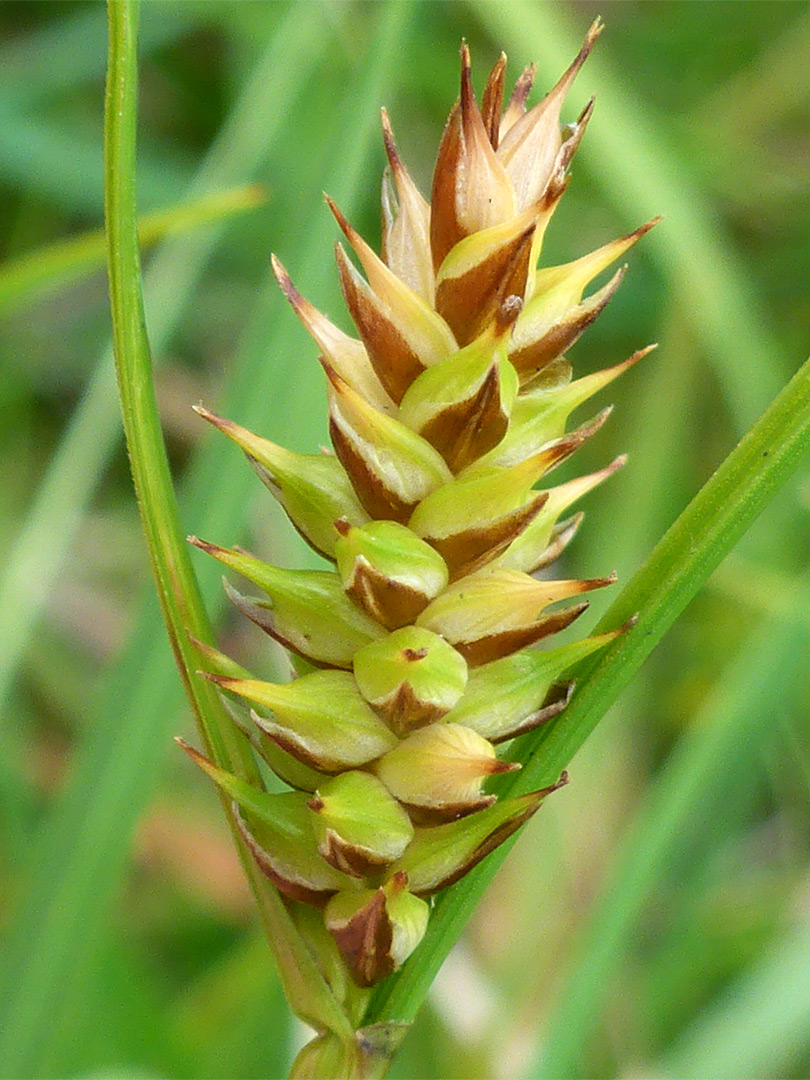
[738, 715]
[183, 609]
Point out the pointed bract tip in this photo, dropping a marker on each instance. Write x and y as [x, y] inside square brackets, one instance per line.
[391, 152]
[523, 86]
[496, 767]
[642, 230]
[346, 228]
[284, 280]
[221, 680]
[218, 421]
[589, 584]
[467, 93]
[586, 114]
[203, 545]
[195, 755]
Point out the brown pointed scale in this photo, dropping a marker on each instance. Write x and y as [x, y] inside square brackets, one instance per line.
[346, 355]
[552, 340]
[471, 188]
[516, 106]
[395, 362]
[462, 406]
[377, 930]
[481, 271]
[406, 225]
[390, 467]
[529, 149]
[365, 940]
[388, 571]
[496, 612]
[473, 520]
[492, 101]
[426, 333]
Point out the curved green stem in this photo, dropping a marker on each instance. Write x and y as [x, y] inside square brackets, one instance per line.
[177, 587]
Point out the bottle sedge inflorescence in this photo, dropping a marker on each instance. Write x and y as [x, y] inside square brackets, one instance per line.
[445, 416]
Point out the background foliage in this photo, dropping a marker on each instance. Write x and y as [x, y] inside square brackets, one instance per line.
[654, 917]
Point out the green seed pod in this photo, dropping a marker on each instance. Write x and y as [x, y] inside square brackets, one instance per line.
[441, 854]
[462, 405]
[388, 571]
[312, 488]
[509, 697]
[377, 930]
[437, 772]
[359, 826]
[277, 830]
[321, 719]
[495, 612]
[411, 678]
[391, 467]
[307, 610]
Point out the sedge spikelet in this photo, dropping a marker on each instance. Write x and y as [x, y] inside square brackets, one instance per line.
[446, 414]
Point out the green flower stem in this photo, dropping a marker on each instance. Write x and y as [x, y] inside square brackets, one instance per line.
[176, 584]
[704, 533]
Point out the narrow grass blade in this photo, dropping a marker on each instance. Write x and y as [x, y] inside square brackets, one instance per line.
[733, 723]
[64, 166]
[759, 1028]
[59, 264]
[32, 565]
[72, 50]
[184, 613]
[708, 529]
[83, 853]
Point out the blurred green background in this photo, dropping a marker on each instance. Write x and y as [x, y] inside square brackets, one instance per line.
[655, 918]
